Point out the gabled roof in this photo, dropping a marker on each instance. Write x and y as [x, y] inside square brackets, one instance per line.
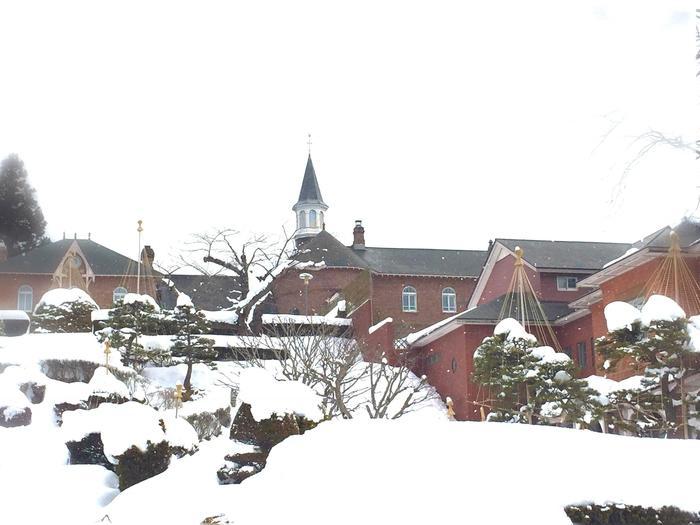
[45, 259]
[567, 255]
[422, 261]
[324, 247]
[688, 232]
[208, 292]
[490, 312]
[310, 192]
[394, 261]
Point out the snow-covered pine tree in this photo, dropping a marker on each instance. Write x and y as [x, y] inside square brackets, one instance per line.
[190, 345]
[500, 365]
[555, 394]
[656, 341]
[132, 317]
[22, 223]
[64, 311]
[528, 383]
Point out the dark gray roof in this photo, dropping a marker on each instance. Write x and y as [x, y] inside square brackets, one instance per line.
[324, 247]
[422, 261]
[491, 311]
[45, 259]
[310, 192]
[688, 232]
[396, 261]
[567, 255]
[208, 292]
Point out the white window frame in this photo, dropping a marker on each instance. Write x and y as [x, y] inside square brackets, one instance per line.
[566, 280]
[449, 300]
[118, 292]
[409, 299]
[25, 293]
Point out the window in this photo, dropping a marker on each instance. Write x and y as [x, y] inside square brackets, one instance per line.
[432, 359]
[565, 283]
[312, 219]
[567, 351]
[409, 299]
[25, 298]
[118, 294]
[449, 300]
[302, 219]
[321, 223]
[581, 350]
[453, 365]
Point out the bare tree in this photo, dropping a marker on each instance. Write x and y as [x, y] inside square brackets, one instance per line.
[254, 261]
[332, 364]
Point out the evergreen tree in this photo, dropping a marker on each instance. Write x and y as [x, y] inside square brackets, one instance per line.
[127, 322]
[22, 222]
[660, 348]
[190, 324]
[528, 383]
[68, 317]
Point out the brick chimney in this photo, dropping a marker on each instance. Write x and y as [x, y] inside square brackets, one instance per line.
[148, 256]
[3, 251]
[358, 236]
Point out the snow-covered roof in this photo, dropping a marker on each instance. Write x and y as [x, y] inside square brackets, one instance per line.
[13, 315]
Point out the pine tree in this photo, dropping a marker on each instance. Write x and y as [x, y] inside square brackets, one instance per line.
[661, 350]
[528, 383]
[127, 322]
[22, 223]
[68, 317]
[190, 324]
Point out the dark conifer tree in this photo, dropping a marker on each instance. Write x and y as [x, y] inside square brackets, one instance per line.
[22, 223]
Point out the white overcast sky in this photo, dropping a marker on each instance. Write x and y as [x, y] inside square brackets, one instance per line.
[440, 124]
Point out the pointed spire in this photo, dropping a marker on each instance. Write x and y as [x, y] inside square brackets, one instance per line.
[310, 192]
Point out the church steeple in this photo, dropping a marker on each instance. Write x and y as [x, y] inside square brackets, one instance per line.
[310, 209]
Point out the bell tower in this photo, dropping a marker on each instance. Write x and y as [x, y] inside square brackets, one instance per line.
[310, 209]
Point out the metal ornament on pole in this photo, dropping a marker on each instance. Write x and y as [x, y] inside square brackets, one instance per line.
[138, 272]
[306, 277]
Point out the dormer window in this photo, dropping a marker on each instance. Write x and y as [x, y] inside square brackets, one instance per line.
[566, 283]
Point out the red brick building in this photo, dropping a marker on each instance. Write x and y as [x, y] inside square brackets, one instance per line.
[103, 273]
[573, 281]
[416, 287]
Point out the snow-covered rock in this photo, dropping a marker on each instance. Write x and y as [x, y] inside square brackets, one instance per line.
[267, 396]
[620, 315]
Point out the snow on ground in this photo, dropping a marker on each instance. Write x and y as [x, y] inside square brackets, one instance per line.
[408, 472]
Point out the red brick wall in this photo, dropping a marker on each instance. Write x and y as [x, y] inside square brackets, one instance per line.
[458, 345]
[101, 290]
[288, 289]
[549, 291]
[578, 331]
[387, 293]
[498, 282]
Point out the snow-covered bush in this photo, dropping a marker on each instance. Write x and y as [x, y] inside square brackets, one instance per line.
[132, 317]
[64, 311]
[69, 370]
[210, 424]
[633, 514]
[526, 383]
[659, 343]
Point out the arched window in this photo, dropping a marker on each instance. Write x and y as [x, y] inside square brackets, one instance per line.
[312, 219]
[25, 298]
[321, 223]
[302, 219]
[118, 294]
[409, 299]
[449, 300]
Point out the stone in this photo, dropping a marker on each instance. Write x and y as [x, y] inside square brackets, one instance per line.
[10, 417]
[34, 392]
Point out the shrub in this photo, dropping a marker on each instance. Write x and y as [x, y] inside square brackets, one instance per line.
[265, 433]
[64, 311]
[629, 515]
[69, 370]
[88, 451]
[210, 424]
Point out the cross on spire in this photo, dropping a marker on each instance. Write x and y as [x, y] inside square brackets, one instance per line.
[308, 143]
